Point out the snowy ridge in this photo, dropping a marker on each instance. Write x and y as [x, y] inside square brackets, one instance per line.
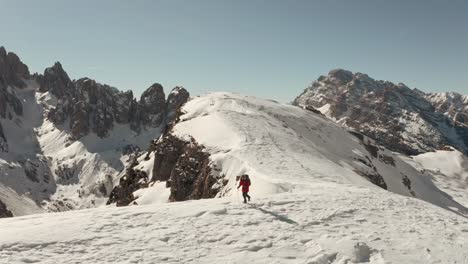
[285, 148]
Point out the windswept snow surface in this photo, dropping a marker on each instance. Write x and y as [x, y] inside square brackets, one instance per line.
[327, 223]
[309, 203]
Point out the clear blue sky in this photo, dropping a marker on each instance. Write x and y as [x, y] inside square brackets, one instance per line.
[267, 48]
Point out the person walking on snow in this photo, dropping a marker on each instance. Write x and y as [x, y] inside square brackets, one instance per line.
[245, 183]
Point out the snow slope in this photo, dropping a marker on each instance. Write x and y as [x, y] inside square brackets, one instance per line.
[327, 223]
[448, 170]
[46, 171]
[285, 148]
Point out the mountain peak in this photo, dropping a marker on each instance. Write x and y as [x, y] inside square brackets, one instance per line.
[389, 112]
[56, 69]
[2, 51]
[340, 76]
[55, 80]
[12, 69]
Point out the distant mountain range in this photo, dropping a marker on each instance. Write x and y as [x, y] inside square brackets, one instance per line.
[402, 119]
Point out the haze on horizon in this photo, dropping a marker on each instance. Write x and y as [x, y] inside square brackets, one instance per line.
[271, 49]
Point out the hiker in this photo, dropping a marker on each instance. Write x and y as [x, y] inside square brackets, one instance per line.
[245, 183]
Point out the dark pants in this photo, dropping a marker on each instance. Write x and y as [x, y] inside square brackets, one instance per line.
[245, 195]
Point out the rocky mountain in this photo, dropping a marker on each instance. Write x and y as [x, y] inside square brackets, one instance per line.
[12, 73]
[453, 105]
[85, 106]
[402, 119]
[65, 143]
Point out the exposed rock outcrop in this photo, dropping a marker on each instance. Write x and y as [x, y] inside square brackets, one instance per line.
[451, 104]
[122, 194]
[369, 170]
[176, 98]
[191, 177]
[56, 81]
[394, 115]
[89, 106]
[4, 212]
[183, 164]
[12, 71]
[3, 141]
[10, 105]
[153, 105]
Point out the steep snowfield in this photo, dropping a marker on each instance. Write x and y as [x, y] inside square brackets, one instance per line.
[310, 203]
[63, 174]
[449, 171]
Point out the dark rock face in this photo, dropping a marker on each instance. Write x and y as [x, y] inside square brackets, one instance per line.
[4, 212]
[56, 80]
[397, 117]
[133, 180]
[370, 172]
[191, 176]
[407, 183]
[12, 71]
[184, 166]
[9, 103]
[178, 97]
[93, 107]
[12, 74]
[3, 141]
[153, 105]
[167, 152]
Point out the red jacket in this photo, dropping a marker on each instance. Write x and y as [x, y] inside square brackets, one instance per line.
[245, 185]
